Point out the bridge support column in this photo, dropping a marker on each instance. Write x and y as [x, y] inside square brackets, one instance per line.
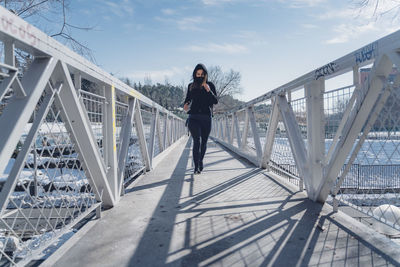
[125, 137]
[245, 130]
[110, 142]
[314, 92]
[256, 137]
[270, 136]
[154, 121]
[141, 136]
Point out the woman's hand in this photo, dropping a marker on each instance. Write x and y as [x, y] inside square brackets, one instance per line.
[205, 85]
[186, 107]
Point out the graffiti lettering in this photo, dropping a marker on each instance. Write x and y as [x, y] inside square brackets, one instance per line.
[366, 53]
[325, 70]
[8, 25]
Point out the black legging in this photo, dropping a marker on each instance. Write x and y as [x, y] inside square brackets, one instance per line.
[200, 128]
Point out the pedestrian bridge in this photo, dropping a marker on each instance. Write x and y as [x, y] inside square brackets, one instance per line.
[94, 173]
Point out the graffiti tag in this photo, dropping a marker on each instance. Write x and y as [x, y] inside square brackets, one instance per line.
[366, 53]
[23, 31]
[325, 70]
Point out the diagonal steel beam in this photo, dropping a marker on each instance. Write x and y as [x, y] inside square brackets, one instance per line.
[19, 110]
[270, 136]
[7, 82]
[125, 142]
[381, 69]
[141, 136]
[236, 123]
[295, 139]
[245, 131]
[11, 181]
[77, 123]
[254, 130]
[154, 119]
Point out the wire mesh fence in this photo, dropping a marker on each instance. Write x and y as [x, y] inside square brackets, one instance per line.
[50, 192]
[373, 183]
[95, 105]
[59, 156]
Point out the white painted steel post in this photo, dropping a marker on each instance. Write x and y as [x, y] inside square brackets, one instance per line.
[125, 137]
[228, 131]
[141, 136]
[165, 133]
[238, 137]
[78, 81]
[270, 136]
[254, 130]
[9, 53]
[223, 130]
[231, 134]
[217, 128]
[159, 134]
[245, 131]
[154, 119]
[314, 92]
[110, 141]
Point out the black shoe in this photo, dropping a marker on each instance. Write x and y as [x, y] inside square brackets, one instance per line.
[196, 171]
[201, 166]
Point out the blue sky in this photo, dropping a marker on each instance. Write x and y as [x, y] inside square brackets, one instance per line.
[269, 42]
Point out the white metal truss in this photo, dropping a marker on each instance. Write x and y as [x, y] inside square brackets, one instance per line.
[69, 148]
[382, 68]
[316, 159]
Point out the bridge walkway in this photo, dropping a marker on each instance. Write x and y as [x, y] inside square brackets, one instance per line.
[232, 214]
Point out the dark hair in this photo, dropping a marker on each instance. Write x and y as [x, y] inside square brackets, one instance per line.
[199, 66]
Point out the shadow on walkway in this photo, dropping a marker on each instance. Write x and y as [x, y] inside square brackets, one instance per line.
[212, 227]
[233, 214]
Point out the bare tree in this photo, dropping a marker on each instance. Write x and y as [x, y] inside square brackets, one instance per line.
[227, 85]
[51, 13]
[378, 8]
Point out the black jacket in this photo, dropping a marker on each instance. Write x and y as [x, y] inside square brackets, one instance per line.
[201, 101]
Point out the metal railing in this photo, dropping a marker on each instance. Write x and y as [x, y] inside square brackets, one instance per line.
[341, 144]
[72, 136]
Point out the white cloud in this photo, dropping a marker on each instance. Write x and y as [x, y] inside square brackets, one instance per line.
[156, 75]
[190, 23]
[119, 8]
[346, 32]
[251, 38]
[216, 2]
[355, 22]
[338, 14]
[168, 11]
[302, 3]
[309, 26]
[185, 23]
[218, 48]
